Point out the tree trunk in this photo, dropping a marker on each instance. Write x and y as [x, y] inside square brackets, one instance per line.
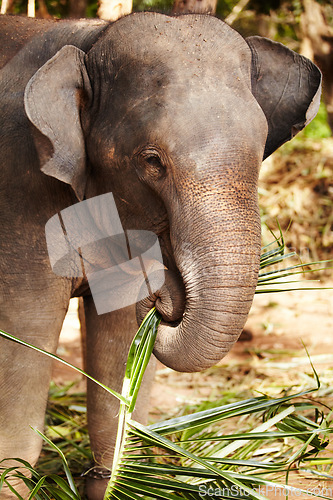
[194, 6]
[317, 44]
[5, 6]
[31, 8]
[77, 8]
[42, 12]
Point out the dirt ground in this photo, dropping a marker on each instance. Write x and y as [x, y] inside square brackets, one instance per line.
[274, 357]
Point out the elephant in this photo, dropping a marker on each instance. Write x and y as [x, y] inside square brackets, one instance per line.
[173, 116]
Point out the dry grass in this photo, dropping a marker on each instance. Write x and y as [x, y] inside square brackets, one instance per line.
[296, 186]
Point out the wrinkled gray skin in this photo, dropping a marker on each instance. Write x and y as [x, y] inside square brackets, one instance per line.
[171, 115]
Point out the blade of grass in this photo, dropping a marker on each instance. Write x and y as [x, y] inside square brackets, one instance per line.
[54, 356]
[64, 462]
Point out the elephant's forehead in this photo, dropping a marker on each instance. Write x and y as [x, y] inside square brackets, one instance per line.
[183, 119]
[178, 49]
[175, 78]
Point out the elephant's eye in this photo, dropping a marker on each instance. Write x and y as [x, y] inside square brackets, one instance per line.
[154, 165]
[154, 161]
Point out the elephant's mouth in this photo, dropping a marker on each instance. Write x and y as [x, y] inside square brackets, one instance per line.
[173, 324]
[169, 300]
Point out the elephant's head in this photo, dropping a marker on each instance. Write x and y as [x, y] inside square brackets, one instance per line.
[174, 116]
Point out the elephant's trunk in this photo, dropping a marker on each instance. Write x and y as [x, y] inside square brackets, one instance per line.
[217, 251]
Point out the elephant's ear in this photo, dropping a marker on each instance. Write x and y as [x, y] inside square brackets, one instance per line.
[52, 103]
[287, 87]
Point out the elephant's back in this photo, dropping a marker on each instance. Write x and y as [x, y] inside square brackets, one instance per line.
[34, 41]
[15, 32]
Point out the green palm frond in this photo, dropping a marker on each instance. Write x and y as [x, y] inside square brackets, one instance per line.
[272, 255]
[157, 462]
[188, 457]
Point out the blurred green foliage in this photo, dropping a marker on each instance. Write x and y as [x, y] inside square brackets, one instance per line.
[318, 128]
[158, 5]
[56, 8]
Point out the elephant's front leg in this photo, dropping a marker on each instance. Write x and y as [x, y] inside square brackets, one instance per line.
[108, 340]
[35, 317]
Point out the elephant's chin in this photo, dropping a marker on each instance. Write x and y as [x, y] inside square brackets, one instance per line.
[169, 301]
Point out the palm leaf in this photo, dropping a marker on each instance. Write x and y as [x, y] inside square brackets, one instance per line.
[186, 456]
